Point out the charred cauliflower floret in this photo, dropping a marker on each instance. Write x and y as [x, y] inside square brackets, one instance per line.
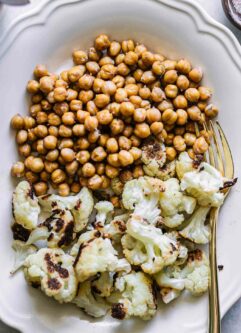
[25, 206]
[57, 229]
[90, 302]
[103, 284]
[96, 255]
[21, 252]
[80, 205]
[141, 195]
[157, 250]
[104, 208]
[154, 157]
[134, 296]
[52, 270]
[185, 164]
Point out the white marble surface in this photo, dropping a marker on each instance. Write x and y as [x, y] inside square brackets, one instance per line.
[231, 323]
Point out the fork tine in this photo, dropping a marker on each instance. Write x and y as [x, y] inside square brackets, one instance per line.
[219, 158]
[210, 148]
[229, 165]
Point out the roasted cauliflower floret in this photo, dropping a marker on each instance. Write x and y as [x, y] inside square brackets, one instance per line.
[80, 205]
[21, 252]
[52, 270]
[104, 208]
[185, 164]
[173, 202]
[103, 284]
[96, 255]
[154, 157]
[160, 250]
[57, 229]
[116, 228]
[204, 184]
[141, 195]
[134, 297]
[196, 230]
[168, 294]
[90, 302]
[25, 206]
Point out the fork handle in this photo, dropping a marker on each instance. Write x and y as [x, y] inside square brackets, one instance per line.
[214, 310]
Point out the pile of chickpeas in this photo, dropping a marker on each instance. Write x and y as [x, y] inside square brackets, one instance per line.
[87, 125]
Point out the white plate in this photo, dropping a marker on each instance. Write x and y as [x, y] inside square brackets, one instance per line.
[48, 34]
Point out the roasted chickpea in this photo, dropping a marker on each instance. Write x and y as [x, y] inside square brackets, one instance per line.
[63, 189]
[94, 54]
[120, 95]
[75, 73]
[158, 68]
[211, 111]
[181, 117]
[122, 69]
[205, 93]
[192, 95]
[33, 86]
[64, 76]
[53, 130]
[194, 113]
[61, 108]
[50, 142]
[46, 84]
[144, 92]
[148, 77]
[100, 168]
[189, 138]
[65, 143]
[80, 57]
[153, 115]
[166, 104]
[169, 139]
[157, 95]
[128, 131]
[71, 95]
[104, 117]
[101, 100]
[31, 177]
[138, 74]
[21, 137]
[170, 76]
[131, 89]
[52, 155]
[95, 182]
[124, 143]
[114, 49]
[135, 152]
[17, 122]
[103, 139]
[142, 130]
[113, 159]
[50, 166]
[86, 82]
[68, 118]
[31, 135]
[135, 140]
[82, 115]
[196, 75]
[91, 123]
[78, 130]
[75, 105]
[44, 176]
[67, 154]
[171, 153]
[29, 122]
[65, 131]
[40, 188]
[40, 70]
[112, 145]
[139, 115]
[83, 156]
[94, 136]
[88, 170]
[72, 167]
[18, 169]
[86, 95]
[169, 117]
[139, 49]
[127, 45]
[138, 171]
[102, 42]
[127, 109]
[200, 146]
[180, 102]
[131, 58]
[24, 150]
[169, 64]
[41, 118]
[147, 58]
[98, 154]
[82, 143]
[117, 126]
[182, 82]
[75, 187]
[34, 109]
[135, 100]
[111, 171]
[37, 165]
[179, 143]
[37, 98]
[171, 91]
[156, 127]
[183, 66]
[125, 158]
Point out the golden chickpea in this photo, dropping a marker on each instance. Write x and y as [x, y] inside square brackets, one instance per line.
[44, 176]
[18, 169]
[92, 67]
[17, 122]
[139, 115]
[119, 81]
[196, 75]
[180, 102]
[94, 54]
[41, 131]
[71, 95]
[33, 86]
[45, 104]
[31, 177]
[122, 69]
[171, 91]
[101, 100]
[82, 115]
[52, 155]
[109, 88]
[125, 158]
[200, 146]
[92, 108]
[205, 93]
[72, 167]
[83, 156]
[142, 66]
[138, 74]
[120, 95]
[147, 58]
[28, 161]
[162, 136]
[124, 143]
[135, 100]
[65, 143]
[102, 42]
[82, 143]
[182, 82]
[183, 66]
[75, 73]
[46, 84]
[68, 118]
[169, 64]
[148, 77]
[202, 105]
[98, 154]
[158, 68]
[153, 115]
[86, 82]
[127, 45]
[138, 171]
[111, 171]
[80, 57]
[91, 123]
[41, 118]
[29, 122]
[211, 111]
[112, 145]
[114, 49]
[115, 201]
[31, 135]
[50, 142]
[34, 109]
[166, 104]
[127, 109]
[114, 108]
[117, 126]
[157, 95]
[136, 153]
[170, 76]
[40, 188]
[108, 71]
[194, 113]
[190, 139]
[54, 131]
[104, 117]
[130, 80]
[78, 130]
[67, 154]
[94, 136]
[131, 89]
[75, 187]
[144, 92]
[179, 143]
[139, 49]
[65, 131]
[86, 95]
[169, 117]
[192, 95]
[21, 137]
[40, 147]
[169, 139]
[58, 176]
[64, 76]
[95, 182]
[50, 166]
[119, 58]
[37, 165]
[37, 98]
[24, 150]
[113, 159]
[61, 108]
[131, 58]
[88, 170]
[60, 83]
[75, 105]
[156, 127]
[40, 70]
[181, 117]
[63, 190]
[171, 153]
[142, 130]
[103, 139]
[100, 168]
[135, 140]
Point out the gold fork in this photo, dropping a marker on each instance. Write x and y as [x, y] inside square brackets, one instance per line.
[218, 155]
